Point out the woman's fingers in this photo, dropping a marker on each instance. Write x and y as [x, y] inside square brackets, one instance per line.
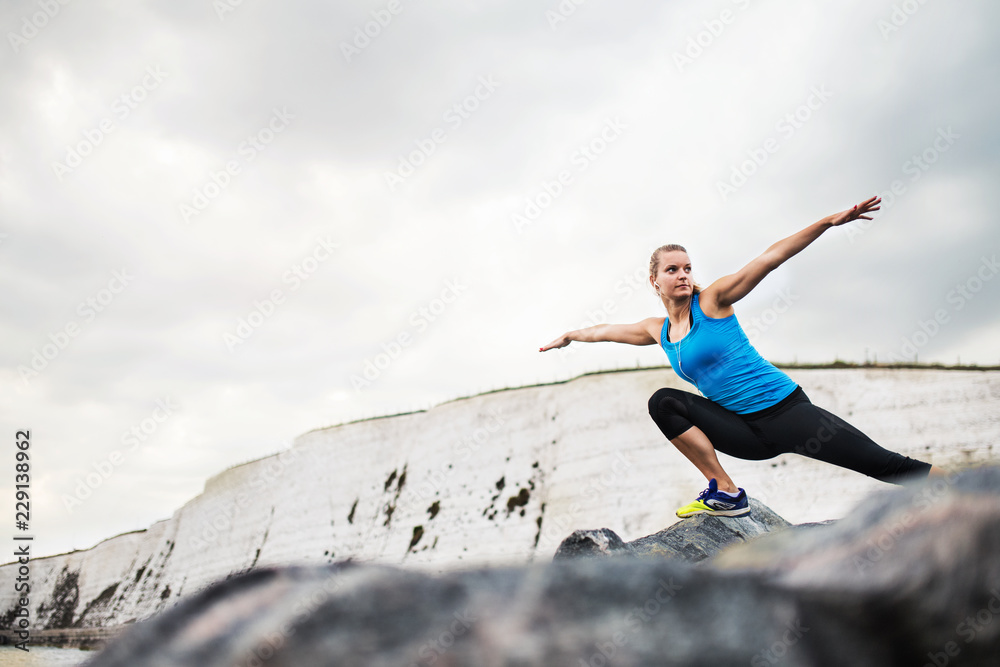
[562, 341]
[867, 206]
[871, 204]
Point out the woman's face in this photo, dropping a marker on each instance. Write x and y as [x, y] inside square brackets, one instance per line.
[673, 274]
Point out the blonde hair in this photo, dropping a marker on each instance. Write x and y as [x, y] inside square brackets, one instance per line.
[654, 262]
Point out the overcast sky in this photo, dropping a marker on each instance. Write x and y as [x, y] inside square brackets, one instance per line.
[215, 217]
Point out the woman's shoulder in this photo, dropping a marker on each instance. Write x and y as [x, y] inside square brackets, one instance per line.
[707, 306]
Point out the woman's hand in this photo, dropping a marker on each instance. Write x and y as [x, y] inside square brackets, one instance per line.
[562, 341]
[858, 212]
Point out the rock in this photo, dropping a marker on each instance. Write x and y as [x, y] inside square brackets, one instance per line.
[591, 543]
[693, 539]
[911, 577]
[896, 535]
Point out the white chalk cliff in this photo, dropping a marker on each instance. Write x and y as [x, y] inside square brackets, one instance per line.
[496, 478]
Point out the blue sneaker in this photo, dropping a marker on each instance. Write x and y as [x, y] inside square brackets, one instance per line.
[712, 502]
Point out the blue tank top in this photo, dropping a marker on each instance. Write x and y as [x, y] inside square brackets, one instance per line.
[717, 357]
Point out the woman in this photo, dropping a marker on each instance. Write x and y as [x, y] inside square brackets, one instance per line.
[750, 409]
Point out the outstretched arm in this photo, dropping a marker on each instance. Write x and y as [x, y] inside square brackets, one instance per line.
[726, 291]
[640, 333]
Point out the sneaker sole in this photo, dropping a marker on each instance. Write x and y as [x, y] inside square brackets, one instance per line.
[737, 512]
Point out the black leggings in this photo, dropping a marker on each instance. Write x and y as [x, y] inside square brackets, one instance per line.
[794, 425]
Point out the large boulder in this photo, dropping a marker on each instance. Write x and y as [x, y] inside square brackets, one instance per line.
[693, 539]
[911, 577]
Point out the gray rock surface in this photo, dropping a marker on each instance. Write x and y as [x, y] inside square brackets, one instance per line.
[912, 577]
[693, 539]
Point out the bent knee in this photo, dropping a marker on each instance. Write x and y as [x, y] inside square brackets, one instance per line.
[667, 401]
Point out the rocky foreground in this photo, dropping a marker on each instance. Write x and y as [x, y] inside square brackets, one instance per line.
[911, 577]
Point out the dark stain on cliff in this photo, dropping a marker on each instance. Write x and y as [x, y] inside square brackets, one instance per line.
[520, 500]
[263, 540]
[390, 507]
[418, 532]
[138, 574]
[434, 509]
[100, 603]
[350, 517]
[7, 620]
[166, 592]
[65, 597]
[502, 482]
[539, 522]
